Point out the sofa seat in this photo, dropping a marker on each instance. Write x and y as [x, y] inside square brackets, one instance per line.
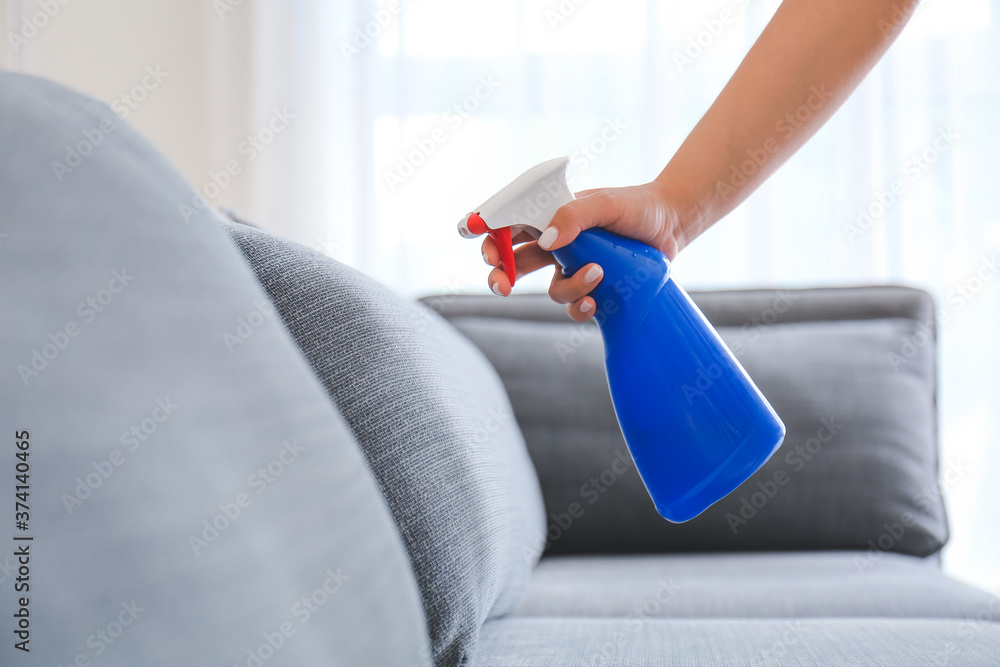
[858, 642]
[752, 585]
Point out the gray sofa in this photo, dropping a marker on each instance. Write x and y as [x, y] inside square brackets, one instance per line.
[241, 452]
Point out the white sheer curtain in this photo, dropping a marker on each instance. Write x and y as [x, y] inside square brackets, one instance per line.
[404, 132]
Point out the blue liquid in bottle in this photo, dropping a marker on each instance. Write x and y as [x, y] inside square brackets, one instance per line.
[694, 421]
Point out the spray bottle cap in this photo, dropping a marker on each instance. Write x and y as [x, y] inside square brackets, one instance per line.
[527, 204]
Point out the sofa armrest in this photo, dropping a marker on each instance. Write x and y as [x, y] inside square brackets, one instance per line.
[851, 371]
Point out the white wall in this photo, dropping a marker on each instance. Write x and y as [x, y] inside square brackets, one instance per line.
[197, 114]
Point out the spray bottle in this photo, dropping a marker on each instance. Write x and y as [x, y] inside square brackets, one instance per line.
[696, 425]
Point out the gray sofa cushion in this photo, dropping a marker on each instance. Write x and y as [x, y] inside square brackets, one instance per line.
[858, 469]
[751, 585]
[144, 426]
[857, 642]
[436, 425]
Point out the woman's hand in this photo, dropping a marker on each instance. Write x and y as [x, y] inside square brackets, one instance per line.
[802, 67]
[643, 212]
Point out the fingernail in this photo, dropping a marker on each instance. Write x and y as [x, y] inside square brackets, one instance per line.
[548, 237]
[486, 259]
[585, 307]
[496, 289]
[592, 274]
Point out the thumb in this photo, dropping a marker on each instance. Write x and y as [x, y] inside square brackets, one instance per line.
[596, 208]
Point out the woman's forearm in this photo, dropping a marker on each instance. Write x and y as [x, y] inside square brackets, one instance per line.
[808, 60]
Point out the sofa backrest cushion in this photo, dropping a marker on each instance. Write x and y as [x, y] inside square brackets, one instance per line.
[433, 419]
[850, 371]
[191, 502]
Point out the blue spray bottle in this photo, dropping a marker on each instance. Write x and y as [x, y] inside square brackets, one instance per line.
[694, 421]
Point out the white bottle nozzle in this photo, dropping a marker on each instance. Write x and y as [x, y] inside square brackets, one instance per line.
[529, 202]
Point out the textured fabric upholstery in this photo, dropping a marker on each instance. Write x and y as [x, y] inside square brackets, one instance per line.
[436, 425]
[144, 426]
[855, 388]
[858, 642]
[751, 585]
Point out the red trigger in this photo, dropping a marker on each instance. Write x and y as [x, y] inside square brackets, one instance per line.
[501, 237]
